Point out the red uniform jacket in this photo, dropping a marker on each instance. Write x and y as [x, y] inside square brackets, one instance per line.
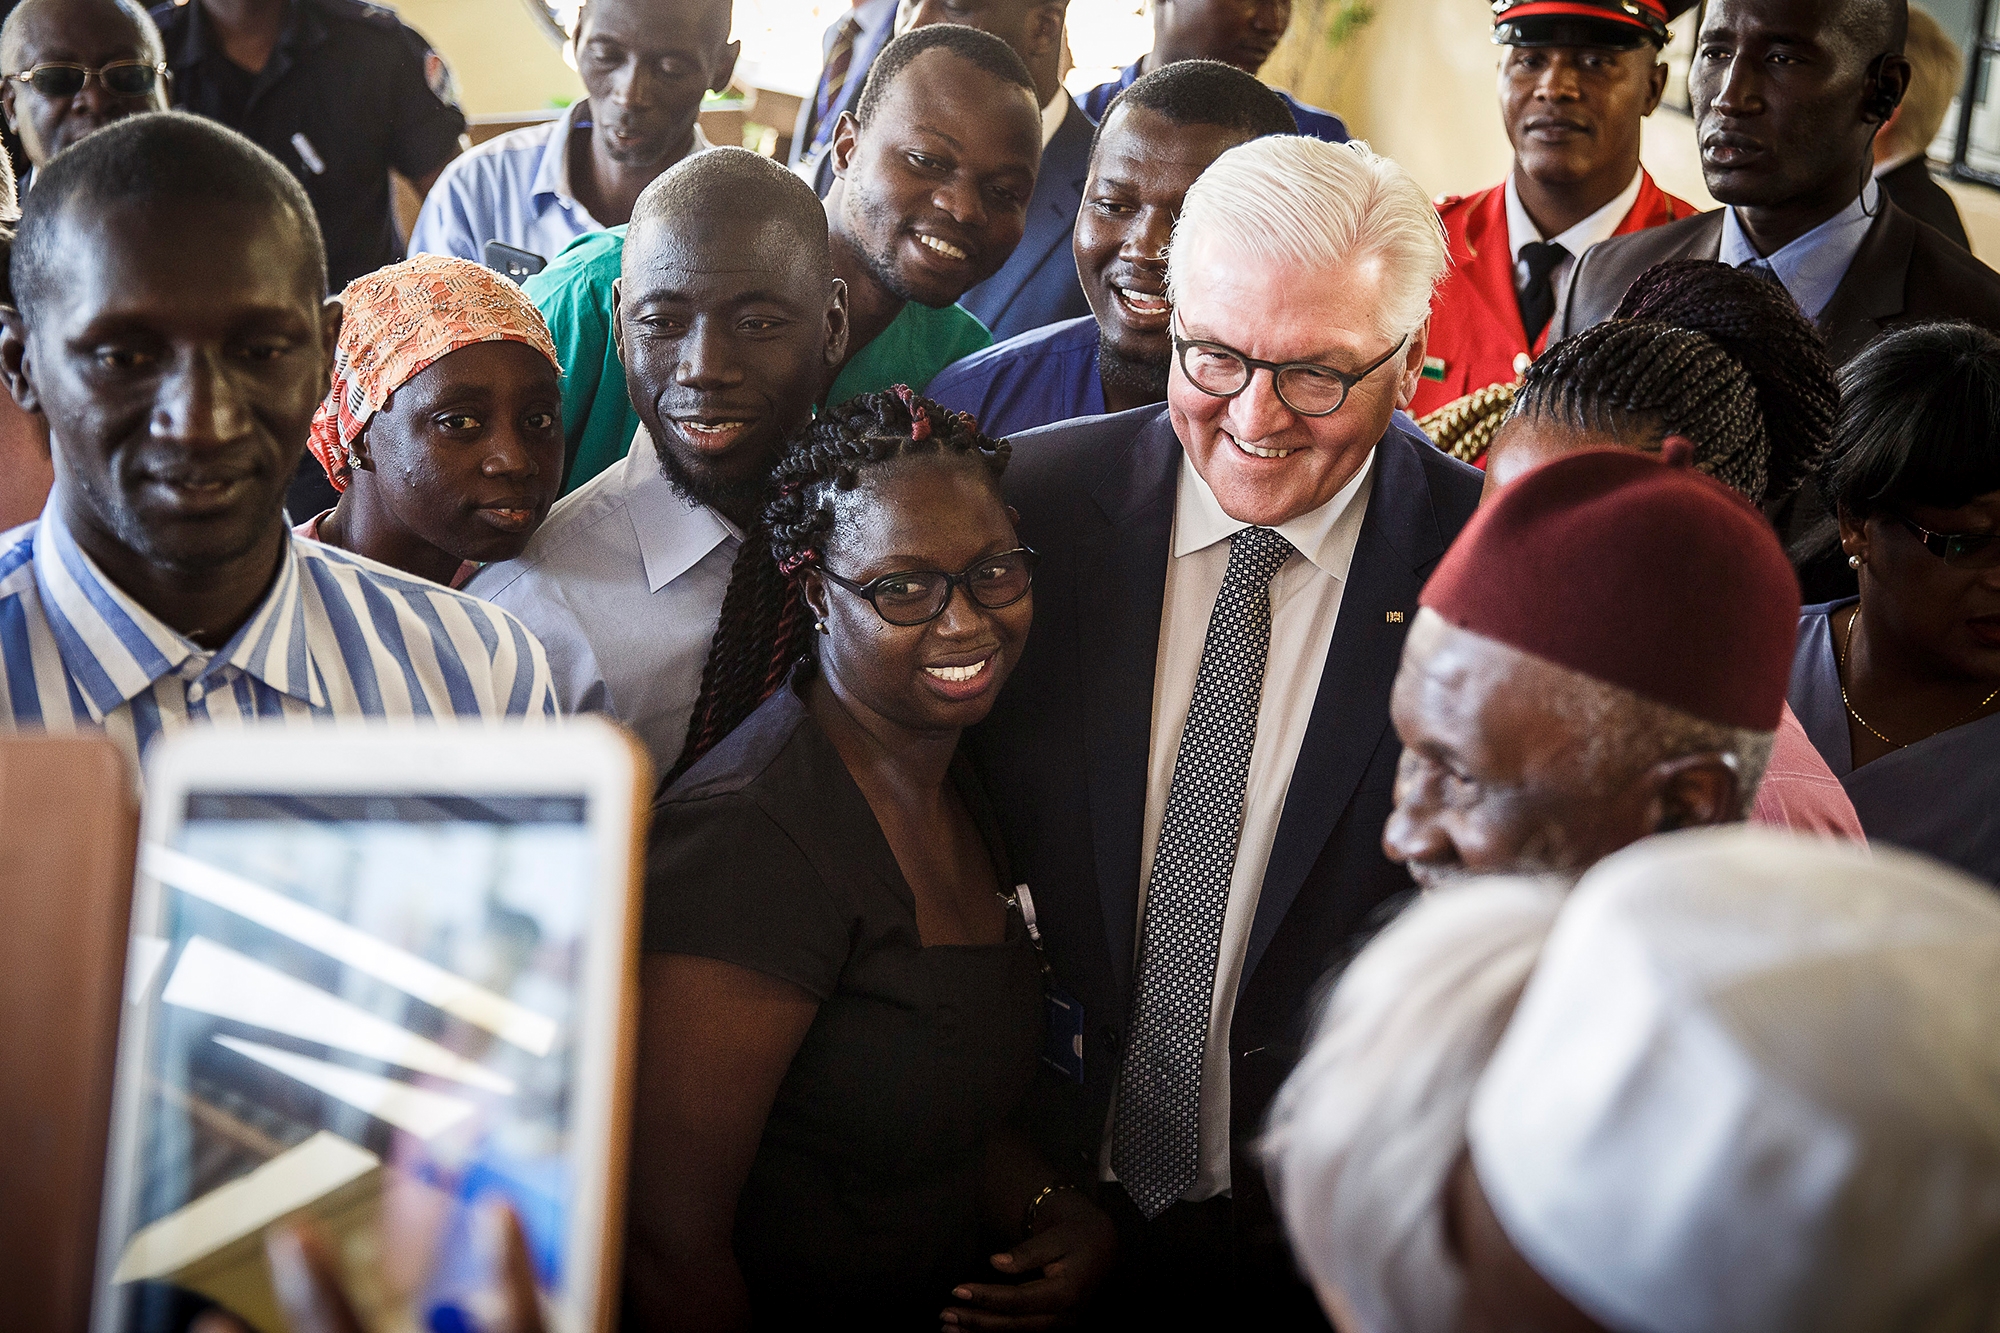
[1475, 317]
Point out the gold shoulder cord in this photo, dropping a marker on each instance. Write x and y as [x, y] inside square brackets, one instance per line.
[1464, 427]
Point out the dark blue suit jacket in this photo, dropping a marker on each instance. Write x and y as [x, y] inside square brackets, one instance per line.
[1038, 284]
[1065, 750]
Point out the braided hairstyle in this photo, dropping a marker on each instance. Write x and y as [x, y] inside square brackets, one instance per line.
[764, 627]
[1757, 323]
[1633, 378]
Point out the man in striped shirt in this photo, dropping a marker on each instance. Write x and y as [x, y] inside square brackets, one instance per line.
[171, 329]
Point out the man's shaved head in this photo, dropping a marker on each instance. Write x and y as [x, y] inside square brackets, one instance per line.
[156, 161]
[739, 202]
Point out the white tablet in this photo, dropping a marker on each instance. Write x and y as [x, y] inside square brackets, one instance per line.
[378, 976]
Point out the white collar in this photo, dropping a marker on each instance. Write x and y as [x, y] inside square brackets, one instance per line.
[1597, 227]
[674, 533]
[1326, 536]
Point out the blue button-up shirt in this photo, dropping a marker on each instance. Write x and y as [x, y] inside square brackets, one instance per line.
[1032, 379]
[514, 189]
[1812, 266]
[1311, 121]
[337, 636]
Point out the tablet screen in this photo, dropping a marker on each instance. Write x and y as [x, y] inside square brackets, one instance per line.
[358, 1006]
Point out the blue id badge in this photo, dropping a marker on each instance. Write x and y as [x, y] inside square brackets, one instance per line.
[1062, 1042]
[1062, 1047]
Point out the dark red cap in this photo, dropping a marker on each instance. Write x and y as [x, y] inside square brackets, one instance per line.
[1637, 572]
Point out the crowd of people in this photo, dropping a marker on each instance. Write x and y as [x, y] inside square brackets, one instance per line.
[1206, 703]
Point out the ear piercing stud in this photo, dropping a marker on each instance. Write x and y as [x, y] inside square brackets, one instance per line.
[820, 625]
[1854, 562]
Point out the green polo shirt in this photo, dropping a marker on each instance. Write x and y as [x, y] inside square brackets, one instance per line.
[574, 296]
[919, 342]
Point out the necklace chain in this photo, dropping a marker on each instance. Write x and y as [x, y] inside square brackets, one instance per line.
[1840, 664]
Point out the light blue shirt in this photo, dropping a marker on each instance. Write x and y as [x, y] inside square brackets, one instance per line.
[1812, 266]
[337, 636]
[624, 584]
[513, 189]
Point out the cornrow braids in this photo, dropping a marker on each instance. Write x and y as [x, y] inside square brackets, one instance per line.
[1757, 323]
[764, 630]
[1630, 378]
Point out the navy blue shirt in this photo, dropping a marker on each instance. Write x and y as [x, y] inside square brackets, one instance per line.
[1310, 119]
[349, 94]
[1032, 379]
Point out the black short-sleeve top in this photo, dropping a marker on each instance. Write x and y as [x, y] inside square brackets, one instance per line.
[864, 1196]
[349, 94]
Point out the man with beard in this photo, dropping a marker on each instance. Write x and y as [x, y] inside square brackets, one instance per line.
[1160, 134]
[645, 65]
[728, 320]
[1576, 80]
[1559, 700]
[934, 169]
[1037, 285]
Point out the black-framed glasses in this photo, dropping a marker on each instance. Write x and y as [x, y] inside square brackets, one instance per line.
[1960, 550]
[63, 79]
[1308, 388]
[919, 596]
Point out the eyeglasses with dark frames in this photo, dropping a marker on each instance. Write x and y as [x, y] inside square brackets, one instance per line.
[1306, 387]
[62, 79]
[919, 596]
[1959, 550]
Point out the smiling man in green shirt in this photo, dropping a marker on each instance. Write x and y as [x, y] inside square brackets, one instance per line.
[933, 172]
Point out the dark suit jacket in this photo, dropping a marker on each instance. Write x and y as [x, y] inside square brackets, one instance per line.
[1065, 750]
[1904, 273]
[1038, 285]
[1917, 194]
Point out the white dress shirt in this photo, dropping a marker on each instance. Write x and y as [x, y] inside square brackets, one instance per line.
[1599, 226]
[1305, 603]
[623, 584]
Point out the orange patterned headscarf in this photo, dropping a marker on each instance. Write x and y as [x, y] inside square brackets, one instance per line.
[399, 320]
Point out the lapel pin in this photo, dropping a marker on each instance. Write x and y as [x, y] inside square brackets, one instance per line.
[1395, 617]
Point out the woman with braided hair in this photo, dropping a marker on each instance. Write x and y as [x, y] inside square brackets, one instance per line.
[1636, 383]
[841, 996]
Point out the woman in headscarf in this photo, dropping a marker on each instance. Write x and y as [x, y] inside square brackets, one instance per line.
[443, 428]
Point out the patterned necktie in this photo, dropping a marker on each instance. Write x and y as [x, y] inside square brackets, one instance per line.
[1155, 1134]
[1538, 299]
[833, 80]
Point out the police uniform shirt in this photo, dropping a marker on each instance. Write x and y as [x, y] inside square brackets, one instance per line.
[349, 94]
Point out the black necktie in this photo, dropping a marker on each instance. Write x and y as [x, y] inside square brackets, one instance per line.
[1538, 298]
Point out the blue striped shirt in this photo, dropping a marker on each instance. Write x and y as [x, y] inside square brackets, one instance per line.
[337, 636]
